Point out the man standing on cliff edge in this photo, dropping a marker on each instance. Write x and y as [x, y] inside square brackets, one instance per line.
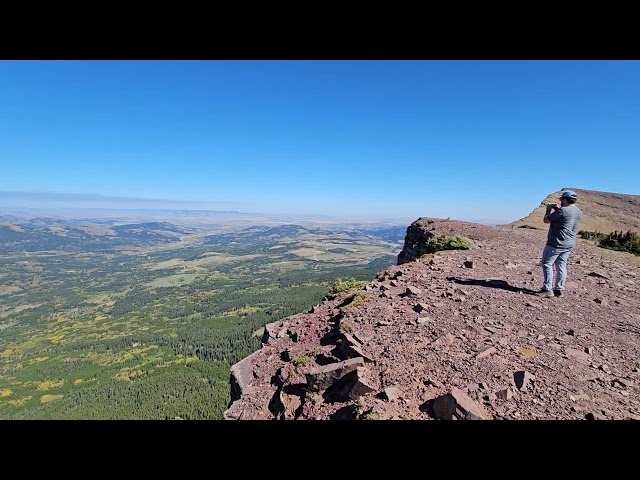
[563, 224]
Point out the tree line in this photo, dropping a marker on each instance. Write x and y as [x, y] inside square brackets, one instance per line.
[620, 241]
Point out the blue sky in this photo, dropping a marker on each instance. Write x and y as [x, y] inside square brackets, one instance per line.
[470, 140]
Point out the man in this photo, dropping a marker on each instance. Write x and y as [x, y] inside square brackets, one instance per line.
[563, 224]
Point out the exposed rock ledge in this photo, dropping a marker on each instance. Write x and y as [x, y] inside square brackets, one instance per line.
[457, 334]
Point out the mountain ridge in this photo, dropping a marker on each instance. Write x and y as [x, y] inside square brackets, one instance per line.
[602, 211]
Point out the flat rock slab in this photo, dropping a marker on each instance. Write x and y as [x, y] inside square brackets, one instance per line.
[323, 377]
[456, 405]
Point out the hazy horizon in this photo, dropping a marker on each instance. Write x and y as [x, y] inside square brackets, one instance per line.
[72, 206]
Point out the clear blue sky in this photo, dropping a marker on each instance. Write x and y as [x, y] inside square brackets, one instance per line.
[472, 140]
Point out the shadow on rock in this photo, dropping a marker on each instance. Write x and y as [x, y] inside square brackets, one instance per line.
[298, 389]
[427, 407]
[275, 406]
[322, 359]
[492, 283]
[276, 380]
[339, 391]
[344, 413]
[332, 336]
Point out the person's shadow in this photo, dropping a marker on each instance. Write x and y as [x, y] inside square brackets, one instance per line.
[492, 283]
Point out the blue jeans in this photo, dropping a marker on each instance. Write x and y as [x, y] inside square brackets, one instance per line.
[558, 257]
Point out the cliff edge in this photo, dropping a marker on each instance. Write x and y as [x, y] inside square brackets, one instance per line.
[457, 334]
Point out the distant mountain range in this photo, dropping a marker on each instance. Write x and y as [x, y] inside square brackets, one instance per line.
[19, 235]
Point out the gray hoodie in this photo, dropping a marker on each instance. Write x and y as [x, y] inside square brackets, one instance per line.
[563, 227]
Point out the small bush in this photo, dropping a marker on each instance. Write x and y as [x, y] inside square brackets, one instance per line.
[340, 285]
[587, 235]
[302, 360]
[371, 416]
[359, 298]
[446, 242]
[346, 327]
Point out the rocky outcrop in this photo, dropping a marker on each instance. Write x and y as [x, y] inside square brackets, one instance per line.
[422, 238]
[433, 338]
[241, 377]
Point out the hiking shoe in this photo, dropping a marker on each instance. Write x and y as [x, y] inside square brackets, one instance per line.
[545, 293]
[557, 293]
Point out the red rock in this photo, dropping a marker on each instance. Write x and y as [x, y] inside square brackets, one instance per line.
[446, 339]
[456, 405]
[420, 307]
[392, 393]
[486, 352]
[413, 291]
[320, 378]
[580, 397]
[579, 354]
[523, 379]
[504, 394]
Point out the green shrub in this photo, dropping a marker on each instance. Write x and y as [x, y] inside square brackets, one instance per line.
[340, 285]
[587, 235]
[446, 242]
[371, 416]
[302, 360]
[358, 299]
[623, 242]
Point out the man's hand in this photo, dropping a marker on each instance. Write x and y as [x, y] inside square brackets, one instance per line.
[553, 206]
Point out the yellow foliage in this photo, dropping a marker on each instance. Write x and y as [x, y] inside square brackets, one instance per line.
[240, 312]
[128, 375]
[5, 393]
[47, 384]
[57, 339]
[6, 353]
[123, 376]
[38, 360]
[21, 401]
[142, 350]
[100, 317]
[190, 360]
[77, 381]
[49, 398]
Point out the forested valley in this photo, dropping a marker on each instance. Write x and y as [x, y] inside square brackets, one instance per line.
[152, 334]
